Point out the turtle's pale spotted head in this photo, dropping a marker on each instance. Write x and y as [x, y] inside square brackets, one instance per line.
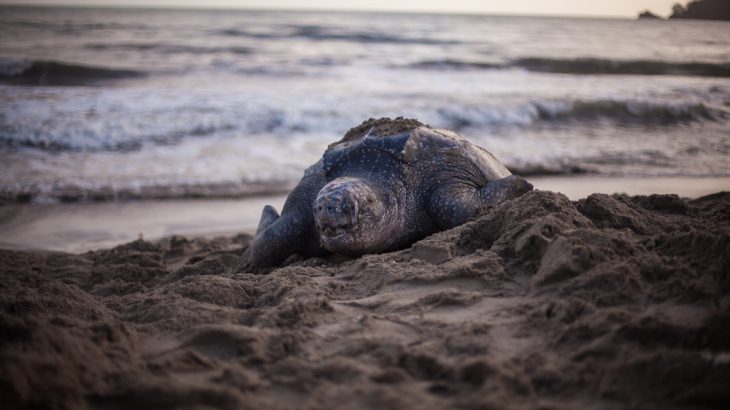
[351, 217]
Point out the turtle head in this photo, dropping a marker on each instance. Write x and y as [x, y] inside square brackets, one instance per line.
[352, 217]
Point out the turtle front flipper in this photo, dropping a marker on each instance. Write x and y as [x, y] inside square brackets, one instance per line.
[268, 216]
[277, 238]
[454, 204]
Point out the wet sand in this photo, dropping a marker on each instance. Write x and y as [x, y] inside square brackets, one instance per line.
[79, 227]
[541, 303]
[577, 187]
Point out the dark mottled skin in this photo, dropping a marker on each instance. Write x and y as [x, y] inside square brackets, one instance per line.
[376, 191]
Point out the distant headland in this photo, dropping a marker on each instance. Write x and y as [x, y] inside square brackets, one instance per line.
[696, 9]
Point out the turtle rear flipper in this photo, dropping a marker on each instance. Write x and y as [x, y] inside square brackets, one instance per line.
[504, 189]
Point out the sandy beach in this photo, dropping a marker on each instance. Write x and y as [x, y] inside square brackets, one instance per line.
[543, 302]
[139, 146]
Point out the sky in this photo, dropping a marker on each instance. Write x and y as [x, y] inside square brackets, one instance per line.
[617, 8]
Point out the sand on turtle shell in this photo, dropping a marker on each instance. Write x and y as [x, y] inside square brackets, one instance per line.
[381, 127]
[607, 302]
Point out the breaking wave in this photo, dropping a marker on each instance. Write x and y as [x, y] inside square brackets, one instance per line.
[559, 111]
[647, 113]
[639, 67]
[56, 73]
[125, 131]
[65, 27]
[163, 48]
[455, 65]
[588, 66]
[122, 132]
[319, 33]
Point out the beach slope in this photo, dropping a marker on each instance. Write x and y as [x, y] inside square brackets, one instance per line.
[542, 302]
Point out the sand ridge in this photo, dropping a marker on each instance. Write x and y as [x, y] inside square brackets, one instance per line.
[606, 302]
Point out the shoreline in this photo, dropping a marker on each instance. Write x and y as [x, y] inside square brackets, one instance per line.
[80, 227]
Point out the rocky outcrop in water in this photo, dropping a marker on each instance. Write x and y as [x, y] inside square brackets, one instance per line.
[648, 15]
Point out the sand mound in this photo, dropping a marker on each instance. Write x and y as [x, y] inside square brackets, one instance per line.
[608, 302]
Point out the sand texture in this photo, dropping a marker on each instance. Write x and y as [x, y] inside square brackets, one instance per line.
[542, 303]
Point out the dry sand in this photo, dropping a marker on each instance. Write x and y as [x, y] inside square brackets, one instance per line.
[541, 303]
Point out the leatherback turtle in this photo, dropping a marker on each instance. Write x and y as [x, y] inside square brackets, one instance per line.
[384, 185]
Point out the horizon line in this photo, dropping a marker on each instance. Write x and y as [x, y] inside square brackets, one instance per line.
[321, 10]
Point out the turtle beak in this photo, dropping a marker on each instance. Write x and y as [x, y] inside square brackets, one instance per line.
[334, 215]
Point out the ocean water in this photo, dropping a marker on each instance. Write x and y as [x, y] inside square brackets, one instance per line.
[98, 104]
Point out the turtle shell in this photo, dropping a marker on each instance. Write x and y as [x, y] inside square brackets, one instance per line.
[413, 146]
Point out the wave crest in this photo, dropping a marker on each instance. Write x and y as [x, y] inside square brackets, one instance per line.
[639, 67]
[586, 66]
[561, 111]
[319, 33]
[647, 113]
[449, 64]
[56, 73]
[125, 131]
[164, 48]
